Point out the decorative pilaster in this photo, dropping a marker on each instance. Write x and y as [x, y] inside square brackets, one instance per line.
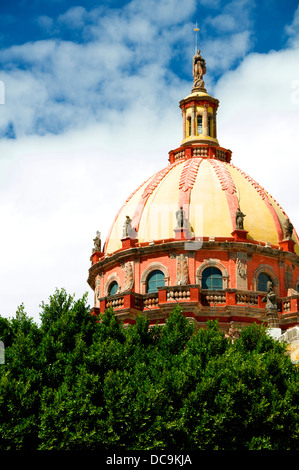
[184, 123]
[214, 123]
[205, 121]
[193, 130]
[182, 273]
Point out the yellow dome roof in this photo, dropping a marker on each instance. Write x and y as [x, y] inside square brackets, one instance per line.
[210, 191]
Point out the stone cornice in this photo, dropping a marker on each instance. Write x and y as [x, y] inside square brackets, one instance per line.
[172, 245]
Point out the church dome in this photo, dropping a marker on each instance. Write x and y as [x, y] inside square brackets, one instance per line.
[202, 187]
[210, 191]
[200, 232]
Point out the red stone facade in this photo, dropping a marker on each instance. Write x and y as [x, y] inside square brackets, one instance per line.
[238, 301]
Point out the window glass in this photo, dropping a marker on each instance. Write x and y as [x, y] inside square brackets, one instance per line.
[113, 288]
[262, 281]
[154, 280]
[199, 124]
[212, 278]
[189, 126]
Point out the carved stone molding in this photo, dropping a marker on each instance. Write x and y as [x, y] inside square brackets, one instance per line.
[152, 267]
[97, 291]
[265, 268]
[241, 270]
[111, 278]
[182, 273]
[129, 276]
[217, 264]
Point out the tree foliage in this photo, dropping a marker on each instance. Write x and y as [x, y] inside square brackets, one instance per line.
[74, 382]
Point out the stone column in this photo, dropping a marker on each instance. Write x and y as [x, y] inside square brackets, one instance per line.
[184, 123]
[214, 124]
[193, 121]
[205, 130]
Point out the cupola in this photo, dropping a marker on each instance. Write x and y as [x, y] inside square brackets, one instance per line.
[199, 109]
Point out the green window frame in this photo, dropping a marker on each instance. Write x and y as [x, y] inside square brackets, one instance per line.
[189, 127]
[262, 280]
[199, 124]
[154, 280]
[212, 278]
[113, 288]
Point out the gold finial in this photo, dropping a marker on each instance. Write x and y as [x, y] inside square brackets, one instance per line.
[196, 29]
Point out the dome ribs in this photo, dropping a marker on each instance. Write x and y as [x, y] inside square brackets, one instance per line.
[227, 185]
[187, 180]
[154, 183]
[267, 201]
[189, 173]
[224, 176]
[119, 212]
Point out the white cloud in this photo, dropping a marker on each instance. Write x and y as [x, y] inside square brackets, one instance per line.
[74, 18]
[55, 85]
[114, 102]
[165, 13]
[259, 120]
[292, 30]
[223, 53]
[56, 191]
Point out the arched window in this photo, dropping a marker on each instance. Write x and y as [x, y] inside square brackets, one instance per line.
[189, 126]
[212, 278]
[113, 288]
[199, 124]
[154, 280]
[262, 280]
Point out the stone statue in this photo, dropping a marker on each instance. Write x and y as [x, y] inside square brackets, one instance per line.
[240, 219]
[97, 242]
[199, 69]
[180, 217]
[233, 332]
[128, 230]
[271, 306]
[288, 229]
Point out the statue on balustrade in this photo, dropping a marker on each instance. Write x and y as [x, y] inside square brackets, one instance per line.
[271, 306]
[288, 229]
[97, 242]
[180, 217]
[240, 219]
[128, 230]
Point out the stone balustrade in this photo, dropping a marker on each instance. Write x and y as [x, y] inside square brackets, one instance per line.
[193, 294]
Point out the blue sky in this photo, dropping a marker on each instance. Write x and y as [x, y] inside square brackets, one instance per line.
[23, 21]
[49, 42]
[91, 110]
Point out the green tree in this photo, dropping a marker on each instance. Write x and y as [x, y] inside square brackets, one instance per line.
[80, 382]
[20, 383]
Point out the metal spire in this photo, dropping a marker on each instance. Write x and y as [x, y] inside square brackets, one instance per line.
[196, 29]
